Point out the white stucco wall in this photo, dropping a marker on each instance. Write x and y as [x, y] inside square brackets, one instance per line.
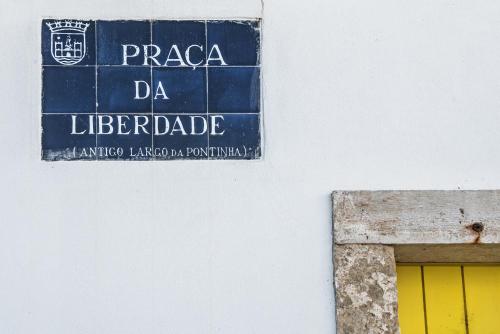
[357, 95]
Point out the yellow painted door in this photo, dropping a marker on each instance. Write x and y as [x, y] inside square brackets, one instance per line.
[449, 299]
[410, 299]
[482, 293]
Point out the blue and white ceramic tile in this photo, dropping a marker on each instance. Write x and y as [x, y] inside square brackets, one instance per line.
[127, 137]
[68, 89]
[240, 139]
[189, 38]
[123, 89]
[184, 87]
[115, 39]
[234, 90]
[151, 90]
[58, 142]
[68, 42]
[238, 41]
[186, 139]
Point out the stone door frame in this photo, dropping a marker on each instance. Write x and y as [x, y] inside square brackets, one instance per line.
[372, 230]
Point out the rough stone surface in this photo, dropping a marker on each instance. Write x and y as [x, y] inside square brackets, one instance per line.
[366, 294]
[402, 217]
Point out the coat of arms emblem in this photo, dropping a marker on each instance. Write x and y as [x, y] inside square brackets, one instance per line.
[67, 41]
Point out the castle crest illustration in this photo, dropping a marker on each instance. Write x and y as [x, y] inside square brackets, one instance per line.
[67, 42]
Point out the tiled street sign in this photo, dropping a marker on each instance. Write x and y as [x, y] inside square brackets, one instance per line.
[151, 90]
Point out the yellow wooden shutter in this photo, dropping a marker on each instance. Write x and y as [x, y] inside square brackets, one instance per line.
[482, 291]
[449, 299]
[411, 304]
[444, 301]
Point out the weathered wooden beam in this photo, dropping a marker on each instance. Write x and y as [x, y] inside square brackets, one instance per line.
[466, 253]
[416, 217]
